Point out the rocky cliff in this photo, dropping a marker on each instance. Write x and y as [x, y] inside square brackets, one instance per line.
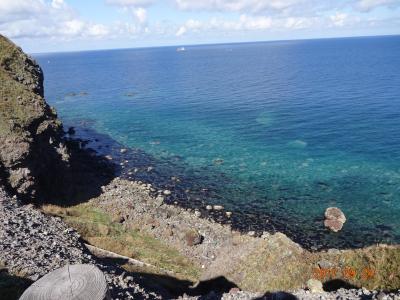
[31, 146]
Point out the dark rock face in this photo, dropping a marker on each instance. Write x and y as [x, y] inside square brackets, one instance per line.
[31, 147]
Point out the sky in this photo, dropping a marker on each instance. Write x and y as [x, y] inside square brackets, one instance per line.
[75, 25]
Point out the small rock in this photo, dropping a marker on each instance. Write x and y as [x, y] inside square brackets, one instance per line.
[209, 207]
[365, 291]
[334, 213]
[123, 150]
[218, 207]
[176, 179]
[218, 161]
[167, 192]
[315, 286]
[228, 214]
[334, 219]
[381, 296]
[159, 201]
[334, 251]
[118, 219]
[193, 237]
[265, 235]
[324, 264]
[234, 290]
[71, 131]
[197, 213]
[251, 233]
[169, 232]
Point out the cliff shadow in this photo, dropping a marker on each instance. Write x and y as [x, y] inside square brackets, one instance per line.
[80, 179]
[169, 286]
[12, 287]
[176, 287]
[277, 296]
[336, 284]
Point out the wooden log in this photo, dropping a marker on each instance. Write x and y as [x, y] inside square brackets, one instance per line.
[71, 282]
[108, 254]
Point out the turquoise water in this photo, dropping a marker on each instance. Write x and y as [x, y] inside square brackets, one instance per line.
[276, 131]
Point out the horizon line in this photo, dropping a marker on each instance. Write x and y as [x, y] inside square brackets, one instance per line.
[215, 44]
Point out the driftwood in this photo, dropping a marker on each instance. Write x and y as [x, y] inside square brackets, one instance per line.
[71, 282]
[108, 254]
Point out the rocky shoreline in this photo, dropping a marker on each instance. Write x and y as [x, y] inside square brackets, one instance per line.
[87, 205]
[34, 244]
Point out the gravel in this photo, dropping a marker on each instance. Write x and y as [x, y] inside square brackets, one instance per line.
[33, 244]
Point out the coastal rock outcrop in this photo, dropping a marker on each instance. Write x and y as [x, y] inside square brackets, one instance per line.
[31, 145]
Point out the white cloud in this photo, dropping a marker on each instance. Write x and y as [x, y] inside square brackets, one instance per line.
[283, 7]
[237, 5]
[339, 19]
[300, 23]
[243, 23]
[58, 4]
[368, 5]
[254, 23]
[181, 31]
[97, 30]
[53, 19]
[130, 3]
[140, 15]
[20, 9]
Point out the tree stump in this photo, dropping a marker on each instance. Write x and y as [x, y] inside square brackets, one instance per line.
[71, 282]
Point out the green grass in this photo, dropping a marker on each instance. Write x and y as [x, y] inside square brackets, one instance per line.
[98, 229]
[18, 104]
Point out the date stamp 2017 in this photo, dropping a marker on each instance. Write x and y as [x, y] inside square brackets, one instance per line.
[348, 273]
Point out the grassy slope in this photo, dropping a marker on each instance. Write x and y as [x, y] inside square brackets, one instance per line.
[17, 102]
[283, 267]
[96, 227]
[273, 264]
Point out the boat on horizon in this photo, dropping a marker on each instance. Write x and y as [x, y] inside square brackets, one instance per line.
[180, 49]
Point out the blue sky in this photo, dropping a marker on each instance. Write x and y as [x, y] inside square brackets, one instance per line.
[73, 25]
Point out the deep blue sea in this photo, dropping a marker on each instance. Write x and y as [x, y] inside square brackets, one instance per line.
[275, 131]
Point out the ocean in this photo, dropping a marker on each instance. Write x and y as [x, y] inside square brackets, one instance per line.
[274, 131]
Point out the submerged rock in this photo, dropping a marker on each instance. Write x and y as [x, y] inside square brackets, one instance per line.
[218, 207]
[71, 131]
[167, 192]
